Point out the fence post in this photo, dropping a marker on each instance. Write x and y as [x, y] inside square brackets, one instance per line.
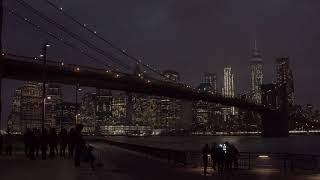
[249, 163]
[186, 159]
[291, 163]
[284, 164]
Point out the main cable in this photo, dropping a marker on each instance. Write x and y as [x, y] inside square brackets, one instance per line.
[136, 60]
[17, 15]
[73, 35]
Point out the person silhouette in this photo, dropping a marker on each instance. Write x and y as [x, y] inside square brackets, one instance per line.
[27, 142]
[70, 139]
[213, 153]
[79, 144]
[220, 159]
[1, 143]
[37, 142]
[8, 141]
[205, 151]
[53, 141]
[44, 143]
[91, 157]
[63, 142]
[33, 144]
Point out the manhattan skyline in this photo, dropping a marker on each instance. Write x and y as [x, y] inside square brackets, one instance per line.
[194, 38]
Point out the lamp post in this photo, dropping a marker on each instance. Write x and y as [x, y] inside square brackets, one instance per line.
[77, 90]
[44, 64]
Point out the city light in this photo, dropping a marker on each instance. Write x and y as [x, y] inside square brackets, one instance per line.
[77, 69]
[49, 97]
[263, 156]
[62, 64]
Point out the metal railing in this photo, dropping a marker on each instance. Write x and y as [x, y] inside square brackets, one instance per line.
[247, 160]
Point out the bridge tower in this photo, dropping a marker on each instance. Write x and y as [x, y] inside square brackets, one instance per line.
[275, 123]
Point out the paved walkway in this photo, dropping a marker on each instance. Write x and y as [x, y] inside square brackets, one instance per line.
[120, 164]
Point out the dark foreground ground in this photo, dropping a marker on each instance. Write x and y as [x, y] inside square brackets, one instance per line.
[123, 164]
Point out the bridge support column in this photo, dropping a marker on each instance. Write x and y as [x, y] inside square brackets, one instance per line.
[275, 123]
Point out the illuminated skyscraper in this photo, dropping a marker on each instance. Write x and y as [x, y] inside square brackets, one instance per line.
[87, 116]
[228, 90]
[256, 74]
[103, 102]
[169, 108]
[228, 83]
[27, 106]
[54, 94]
[285, 77]
[209, 82]
[118, 109]
[66, 115]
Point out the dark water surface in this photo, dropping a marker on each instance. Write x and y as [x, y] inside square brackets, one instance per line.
[292, 144]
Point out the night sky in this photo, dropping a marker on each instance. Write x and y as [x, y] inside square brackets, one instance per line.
[189, 36]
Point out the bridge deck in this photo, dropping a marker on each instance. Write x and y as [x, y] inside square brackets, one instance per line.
[118, 164]
[22, 68]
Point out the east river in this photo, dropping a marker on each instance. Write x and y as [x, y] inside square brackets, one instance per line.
[293, 144]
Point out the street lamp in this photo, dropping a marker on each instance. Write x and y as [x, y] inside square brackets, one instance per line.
[77, 90]
[44, 64]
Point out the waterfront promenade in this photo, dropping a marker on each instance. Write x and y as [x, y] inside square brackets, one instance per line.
[121, 164]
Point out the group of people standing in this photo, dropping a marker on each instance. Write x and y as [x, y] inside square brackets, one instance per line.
[36, 142]
[47, 143]
[224, 157]
[6, 143]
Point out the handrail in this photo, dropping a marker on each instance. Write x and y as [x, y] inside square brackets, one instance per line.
[247, 160]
